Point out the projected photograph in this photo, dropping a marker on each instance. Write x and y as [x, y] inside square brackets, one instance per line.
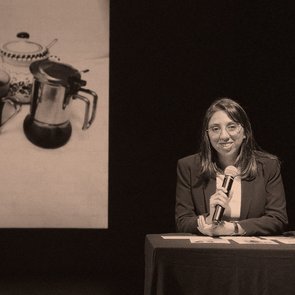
[54, 88]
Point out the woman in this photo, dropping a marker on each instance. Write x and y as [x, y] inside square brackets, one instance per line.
[255, 205]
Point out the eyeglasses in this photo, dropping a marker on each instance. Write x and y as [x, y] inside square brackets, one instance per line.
[232, 129]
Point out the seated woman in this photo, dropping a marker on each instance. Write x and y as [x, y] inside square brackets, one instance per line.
[255, 204]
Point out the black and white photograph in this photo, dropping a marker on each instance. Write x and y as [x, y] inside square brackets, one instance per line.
[54, 144]
[147, 147]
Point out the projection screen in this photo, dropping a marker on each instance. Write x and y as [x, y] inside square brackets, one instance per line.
[64, 187]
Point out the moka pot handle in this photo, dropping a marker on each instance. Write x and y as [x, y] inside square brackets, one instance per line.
[88, 120]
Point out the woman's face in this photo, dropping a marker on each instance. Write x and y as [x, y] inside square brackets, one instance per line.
[226, 136]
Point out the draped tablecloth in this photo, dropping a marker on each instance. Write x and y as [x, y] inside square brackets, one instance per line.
[178, 266]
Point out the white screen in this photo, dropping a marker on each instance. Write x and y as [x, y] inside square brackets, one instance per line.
[65, 187]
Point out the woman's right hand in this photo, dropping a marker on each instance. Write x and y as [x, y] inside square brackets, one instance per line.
[215, 230]
[219, 198]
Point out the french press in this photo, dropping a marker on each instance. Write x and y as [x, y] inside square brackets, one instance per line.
[55, 86]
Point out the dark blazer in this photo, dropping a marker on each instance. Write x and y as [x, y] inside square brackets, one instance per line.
[263, 204]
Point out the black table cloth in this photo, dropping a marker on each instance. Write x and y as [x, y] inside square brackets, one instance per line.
[183, 268]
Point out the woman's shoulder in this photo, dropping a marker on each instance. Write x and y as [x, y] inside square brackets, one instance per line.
[267, 160]
[191, 160]
[190, 164]
[262, 156]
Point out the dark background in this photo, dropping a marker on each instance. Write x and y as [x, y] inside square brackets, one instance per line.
[168, 61]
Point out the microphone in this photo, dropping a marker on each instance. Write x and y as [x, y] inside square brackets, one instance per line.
[230, 172]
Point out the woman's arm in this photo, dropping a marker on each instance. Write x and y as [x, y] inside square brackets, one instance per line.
[185, 215]
[274, 219]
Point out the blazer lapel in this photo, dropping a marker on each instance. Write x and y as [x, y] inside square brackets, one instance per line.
[209, 190]
[247, 193]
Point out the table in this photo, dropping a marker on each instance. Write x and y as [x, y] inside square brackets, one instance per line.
[180, 267]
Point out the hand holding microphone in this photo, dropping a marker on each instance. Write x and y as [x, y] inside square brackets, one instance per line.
[219, 198]
[219, 201]
[230, 173]
[213, 225]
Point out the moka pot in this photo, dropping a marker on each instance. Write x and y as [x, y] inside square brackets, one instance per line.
[55, 87]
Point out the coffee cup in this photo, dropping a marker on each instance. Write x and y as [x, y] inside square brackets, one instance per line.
[9, 106]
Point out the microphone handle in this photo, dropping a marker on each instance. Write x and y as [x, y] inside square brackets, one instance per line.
[218, 213]
[219, 210]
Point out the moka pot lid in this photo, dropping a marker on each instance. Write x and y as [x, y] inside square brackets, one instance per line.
[56, 73]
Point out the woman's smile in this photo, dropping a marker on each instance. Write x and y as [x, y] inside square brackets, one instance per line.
[225, 137]
[226, 145]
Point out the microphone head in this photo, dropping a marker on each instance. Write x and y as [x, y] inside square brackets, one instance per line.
[231, 171]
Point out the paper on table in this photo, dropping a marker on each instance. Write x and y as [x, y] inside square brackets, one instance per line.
[250, 240]
[175, 237]
[284, 240]
[208, 240]
[269, 240]
[198, 239]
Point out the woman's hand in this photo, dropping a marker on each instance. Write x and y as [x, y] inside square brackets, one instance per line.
[204, 228]
[219, 198]
[222, 229]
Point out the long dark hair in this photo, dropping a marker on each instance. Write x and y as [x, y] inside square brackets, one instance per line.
[246, 160]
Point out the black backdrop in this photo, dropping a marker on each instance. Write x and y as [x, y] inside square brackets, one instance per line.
[168, 61]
